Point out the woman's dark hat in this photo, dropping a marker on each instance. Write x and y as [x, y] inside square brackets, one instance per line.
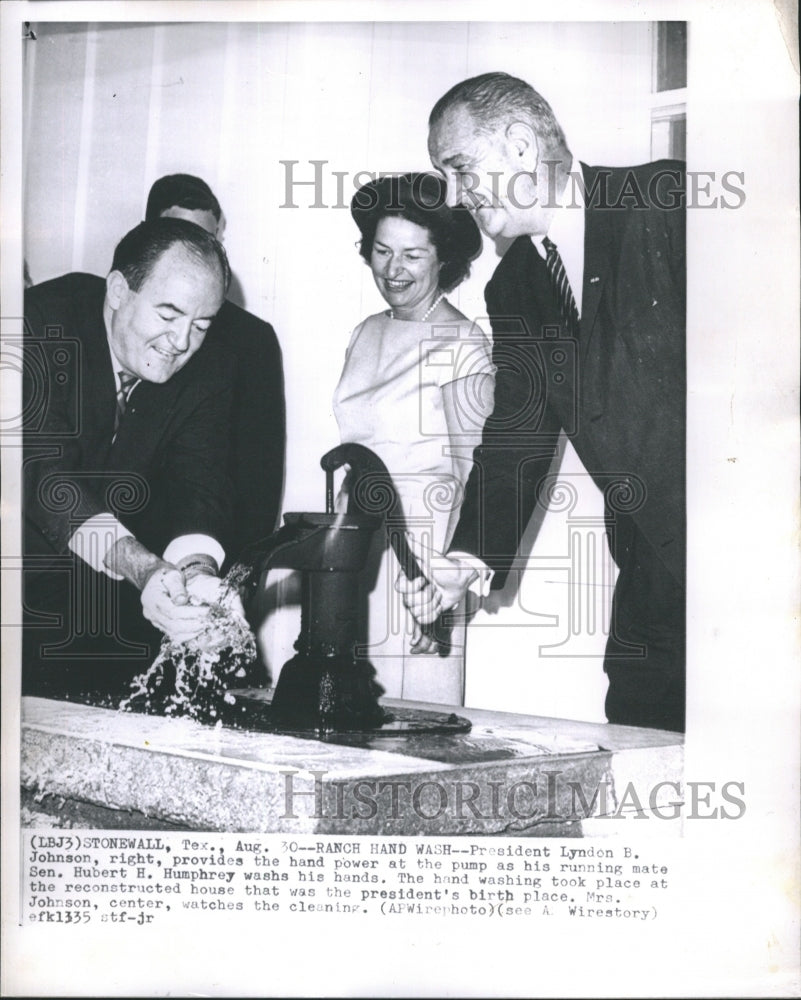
[423, 194]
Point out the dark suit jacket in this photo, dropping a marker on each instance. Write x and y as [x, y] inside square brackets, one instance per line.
[619, 392]
[258, 441]
[164, 475]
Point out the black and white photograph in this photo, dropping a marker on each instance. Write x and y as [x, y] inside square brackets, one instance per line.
[400, 499]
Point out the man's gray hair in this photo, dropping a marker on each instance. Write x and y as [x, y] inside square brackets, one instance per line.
[497, 100]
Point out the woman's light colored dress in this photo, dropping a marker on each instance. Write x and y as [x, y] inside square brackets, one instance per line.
[417, 394]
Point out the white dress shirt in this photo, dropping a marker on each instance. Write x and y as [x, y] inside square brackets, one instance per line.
[566, 231]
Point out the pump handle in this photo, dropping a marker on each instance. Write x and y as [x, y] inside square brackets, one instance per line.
[371, 491]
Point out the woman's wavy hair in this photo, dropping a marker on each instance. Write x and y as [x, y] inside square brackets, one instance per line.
[420, 198]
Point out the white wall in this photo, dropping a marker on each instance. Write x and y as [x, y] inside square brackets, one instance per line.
[109, 108]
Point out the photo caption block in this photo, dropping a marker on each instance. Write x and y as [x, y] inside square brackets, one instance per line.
[139, 879]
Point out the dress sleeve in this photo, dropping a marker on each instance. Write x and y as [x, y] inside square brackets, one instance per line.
[466, 355]
[354, 336]
[467, 384]
[468, 397]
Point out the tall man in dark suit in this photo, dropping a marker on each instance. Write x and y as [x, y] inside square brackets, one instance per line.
[125, 442]
[258, 430]
[588, 315]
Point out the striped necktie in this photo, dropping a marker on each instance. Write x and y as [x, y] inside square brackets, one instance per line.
[126, 384]
[561, 287]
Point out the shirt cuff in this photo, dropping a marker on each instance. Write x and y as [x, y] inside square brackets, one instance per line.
[95, 538]
[480, 586]
[187, 545]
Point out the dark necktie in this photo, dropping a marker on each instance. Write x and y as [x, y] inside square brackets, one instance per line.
[561, 287]
[126, 384]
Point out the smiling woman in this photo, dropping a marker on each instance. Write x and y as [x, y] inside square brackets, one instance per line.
[416, 388]
[406, 267]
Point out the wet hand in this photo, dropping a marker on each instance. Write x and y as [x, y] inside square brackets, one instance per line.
[206, 589]
[166, 604]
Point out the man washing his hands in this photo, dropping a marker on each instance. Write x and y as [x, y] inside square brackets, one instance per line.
[122, 419]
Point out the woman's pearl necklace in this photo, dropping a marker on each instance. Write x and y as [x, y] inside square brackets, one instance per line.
[428, 311]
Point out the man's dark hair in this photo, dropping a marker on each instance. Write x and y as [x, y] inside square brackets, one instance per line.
[181, 191]
[496, 100]
[138, 251]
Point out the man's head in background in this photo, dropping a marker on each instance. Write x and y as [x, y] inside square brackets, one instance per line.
[184, 196]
